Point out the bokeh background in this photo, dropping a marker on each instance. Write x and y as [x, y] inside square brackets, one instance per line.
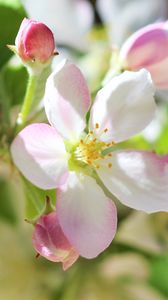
[135, 266]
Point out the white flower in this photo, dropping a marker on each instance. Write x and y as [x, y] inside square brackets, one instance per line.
[68, 157]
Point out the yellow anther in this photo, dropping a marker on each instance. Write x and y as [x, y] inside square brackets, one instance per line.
[90, 149]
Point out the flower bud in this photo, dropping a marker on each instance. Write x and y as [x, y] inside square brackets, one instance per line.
[34, 41]
[148, 48]
[49, 241]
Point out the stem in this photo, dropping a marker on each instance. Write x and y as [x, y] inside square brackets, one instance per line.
[28, 99]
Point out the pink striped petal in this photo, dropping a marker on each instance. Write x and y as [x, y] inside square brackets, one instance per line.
[148, 48]
[49, 241]
[67, 100]
[88, 218]
[124, 107]
[39, 153]
[138, 179]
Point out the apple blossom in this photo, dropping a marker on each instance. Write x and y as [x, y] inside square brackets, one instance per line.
[68, 156]
[50, 241]
[148, 48]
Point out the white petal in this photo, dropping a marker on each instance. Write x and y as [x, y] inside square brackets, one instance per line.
[88, 218]
[66, 18]
[125, 17]
[67, 100]
[125, 106]
[138, 179]
[39, 153]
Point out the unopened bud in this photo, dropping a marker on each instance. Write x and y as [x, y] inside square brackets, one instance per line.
[34, 43]
[49, 241]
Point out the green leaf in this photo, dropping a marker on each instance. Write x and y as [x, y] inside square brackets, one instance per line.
[11, 15]
[15, 80]
[161, 144]
[159, 273]
[4, 105]
[7, 211]
[35, 199]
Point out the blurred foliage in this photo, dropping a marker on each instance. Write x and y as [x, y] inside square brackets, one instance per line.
[11, 15]
[161, 143]
[159, 273]
[7, 211]
[14, 77]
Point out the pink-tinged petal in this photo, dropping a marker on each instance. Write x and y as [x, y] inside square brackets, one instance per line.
[87, 217]
[138, 179]
[49, 241]
[125, 106]
[159, 74]
[39, 153]
[147, 46]
[67, 100]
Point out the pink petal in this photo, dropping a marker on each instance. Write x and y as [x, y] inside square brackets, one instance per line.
[141, 49]
[49, 241]
[125, 106]
[138, 179]
[39, 153]
[159, 74]
[148, 48]
[88, 218]
[67, 100]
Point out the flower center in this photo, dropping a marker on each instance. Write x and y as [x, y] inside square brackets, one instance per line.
[90, 148]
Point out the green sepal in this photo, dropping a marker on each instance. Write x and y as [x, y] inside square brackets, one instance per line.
[36, 200]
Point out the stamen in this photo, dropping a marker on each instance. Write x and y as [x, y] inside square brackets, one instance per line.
[90, 148]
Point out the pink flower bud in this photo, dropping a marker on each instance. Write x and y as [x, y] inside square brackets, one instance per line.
[148, 48]
[34, 41]
[49, 241]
